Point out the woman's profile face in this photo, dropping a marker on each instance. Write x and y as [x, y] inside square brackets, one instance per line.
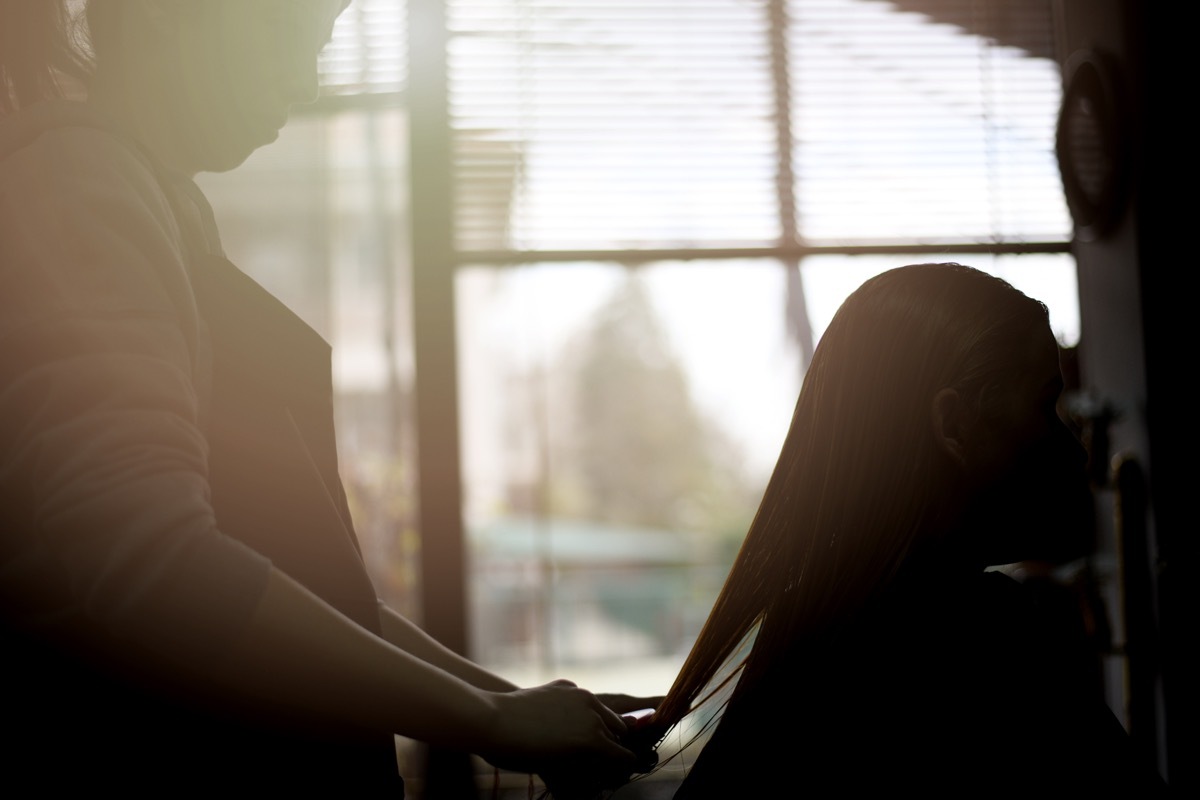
[1034, 501]
[244, 64]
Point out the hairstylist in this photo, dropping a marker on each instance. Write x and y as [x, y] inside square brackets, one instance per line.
[183, 607]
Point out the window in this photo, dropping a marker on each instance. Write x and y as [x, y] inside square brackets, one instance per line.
[573, 256]
[657, 208]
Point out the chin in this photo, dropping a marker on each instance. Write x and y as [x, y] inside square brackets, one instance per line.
[224, 159]
[227, 148]
[224, 164]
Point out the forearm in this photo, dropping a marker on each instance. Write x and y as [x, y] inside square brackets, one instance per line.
[403, 633]
[299, 653]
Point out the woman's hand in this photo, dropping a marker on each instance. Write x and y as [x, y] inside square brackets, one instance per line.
[542, 728]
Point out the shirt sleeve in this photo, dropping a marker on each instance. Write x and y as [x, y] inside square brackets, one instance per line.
[103, 470]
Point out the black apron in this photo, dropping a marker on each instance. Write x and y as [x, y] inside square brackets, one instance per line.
[275, 486]
[267, 413]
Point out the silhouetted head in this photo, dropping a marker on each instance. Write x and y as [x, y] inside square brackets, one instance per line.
[203, 83]
[209, 81]
[926, 432]
[929, 418]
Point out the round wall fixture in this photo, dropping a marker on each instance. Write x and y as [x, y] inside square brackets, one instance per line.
[1090, 144]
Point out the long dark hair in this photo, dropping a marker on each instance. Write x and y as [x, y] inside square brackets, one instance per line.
[859, 481]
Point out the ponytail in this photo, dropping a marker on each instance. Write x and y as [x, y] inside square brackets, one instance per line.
[38, 49]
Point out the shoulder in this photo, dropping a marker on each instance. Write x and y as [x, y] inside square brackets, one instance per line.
[74, 131]
[84, 219]
[60, 157]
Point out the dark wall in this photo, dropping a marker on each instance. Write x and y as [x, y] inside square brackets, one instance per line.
[1165, 212]
[1135, 354]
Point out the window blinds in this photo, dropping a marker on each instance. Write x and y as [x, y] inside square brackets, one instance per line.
[690, 124]
[367, 54]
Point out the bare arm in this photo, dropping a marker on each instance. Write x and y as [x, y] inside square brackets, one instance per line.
[403, 633]
[567, 777]
[300, 652]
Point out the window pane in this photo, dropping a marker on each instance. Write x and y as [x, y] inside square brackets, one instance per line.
[618, 429]
[368, 52]
[318, 218]
[592, 124]
[909, 128]
[708, 123]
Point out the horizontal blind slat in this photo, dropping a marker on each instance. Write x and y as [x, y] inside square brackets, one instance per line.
[587, 123]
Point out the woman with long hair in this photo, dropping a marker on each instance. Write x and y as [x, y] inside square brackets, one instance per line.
[926, 446]
[183, 606]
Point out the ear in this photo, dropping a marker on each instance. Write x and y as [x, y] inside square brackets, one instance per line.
[950, 423]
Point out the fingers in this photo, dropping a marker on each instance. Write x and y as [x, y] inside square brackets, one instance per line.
[612, 720]
[624, 703]
[617, 757]
[614, 726]
[639, 719]
[561, 720]
[613, 730]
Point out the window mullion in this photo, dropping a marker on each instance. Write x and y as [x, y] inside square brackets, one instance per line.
[443, 562]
